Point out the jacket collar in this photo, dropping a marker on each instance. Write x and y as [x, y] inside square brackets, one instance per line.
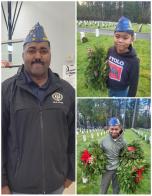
[53, 80]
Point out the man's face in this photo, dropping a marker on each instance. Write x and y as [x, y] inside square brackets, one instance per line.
[37, 57]
[114, 131]
[122, 41]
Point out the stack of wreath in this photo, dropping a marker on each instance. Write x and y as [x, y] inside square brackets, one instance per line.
[130, 172]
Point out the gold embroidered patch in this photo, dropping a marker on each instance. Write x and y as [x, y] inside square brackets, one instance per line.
[57, 97]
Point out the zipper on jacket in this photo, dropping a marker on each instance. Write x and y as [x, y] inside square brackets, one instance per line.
[42, 144]
[17, 165]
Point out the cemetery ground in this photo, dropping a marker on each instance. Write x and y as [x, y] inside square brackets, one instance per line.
[111, 26]
[142, 48]
[94, 186]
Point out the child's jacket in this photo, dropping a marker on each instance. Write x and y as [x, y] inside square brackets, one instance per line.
[124, 71]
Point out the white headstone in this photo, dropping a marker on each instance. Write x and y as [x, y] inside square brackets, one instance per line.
[150, 139]
[145, 137]
[97, 134]
[97, 33]
[92, 136]
[82, 34]
[101, 133]
[84, 180]
[135, 36]
[84, 138]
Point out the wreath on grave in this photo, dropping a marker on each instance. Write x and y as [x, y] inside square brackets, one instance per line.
[92, 162]
[84, 39]
[132, 167]
[96, 73]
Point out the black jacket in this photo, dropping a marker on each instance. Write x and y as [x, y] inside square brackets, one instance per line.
[37, 137]
[124, 71]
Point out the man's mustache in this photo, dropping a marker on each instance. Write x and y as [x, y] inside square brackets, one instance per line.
[38, 62]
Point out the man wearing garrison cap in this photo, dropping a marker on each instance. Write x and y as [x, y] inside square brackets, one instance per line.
[38, 124]
[112, 144]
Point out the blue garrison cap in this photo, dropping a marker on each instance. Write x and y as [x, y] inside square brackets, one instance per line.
[113, 121]
[36, 34]
[124, 25]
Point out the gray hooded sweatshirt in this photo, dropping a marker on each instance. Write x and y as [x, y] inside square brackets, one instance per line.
[112, 149]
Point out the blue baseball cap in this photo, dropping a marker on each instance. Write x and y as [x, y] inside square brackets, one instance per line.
[36, 34]
[113, 121]
[124, 25]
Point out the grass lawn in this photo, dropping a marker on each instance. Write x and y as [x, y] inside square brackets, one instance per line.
[94, 187]
[143, 51]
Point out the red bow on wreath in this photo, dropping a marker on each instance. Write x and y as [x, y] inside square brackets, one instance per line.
[139, 174]
[86, 157]
[131, 148]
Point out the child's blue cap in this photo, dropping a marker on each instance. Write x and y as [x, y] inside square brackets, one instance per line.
[113, 121]
[124, 25]
[36, 34]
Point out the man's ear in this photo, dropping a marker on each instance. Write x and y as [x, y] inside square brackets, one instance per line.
[120, 126]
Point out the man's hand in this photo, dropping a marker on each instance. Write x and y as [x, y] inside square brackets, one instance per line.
[6, 190]
[67, 183]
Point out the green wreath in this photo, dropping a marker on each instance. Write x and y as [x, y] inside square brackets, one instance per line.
[92, 161]
[96, 73]
[132, 167]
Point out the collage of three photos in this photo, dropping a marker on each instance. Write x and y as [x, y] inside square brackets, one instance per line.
[76, 97]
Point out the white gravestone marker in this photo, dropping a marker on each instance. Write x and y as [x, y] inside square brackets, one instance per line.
[97, 33]
[84, 138]
[82, 34]
[145, 137]
[92, 136]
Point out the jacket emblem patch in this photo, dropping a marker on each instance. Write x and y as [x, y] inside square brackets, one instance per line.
[57, 97]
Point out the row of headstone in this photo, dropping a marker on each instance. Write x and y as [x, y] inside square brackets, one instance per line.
[103, 24]
[92, 135]
[141, 134]
[147, 130]
[82, 34]
[83, 131]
